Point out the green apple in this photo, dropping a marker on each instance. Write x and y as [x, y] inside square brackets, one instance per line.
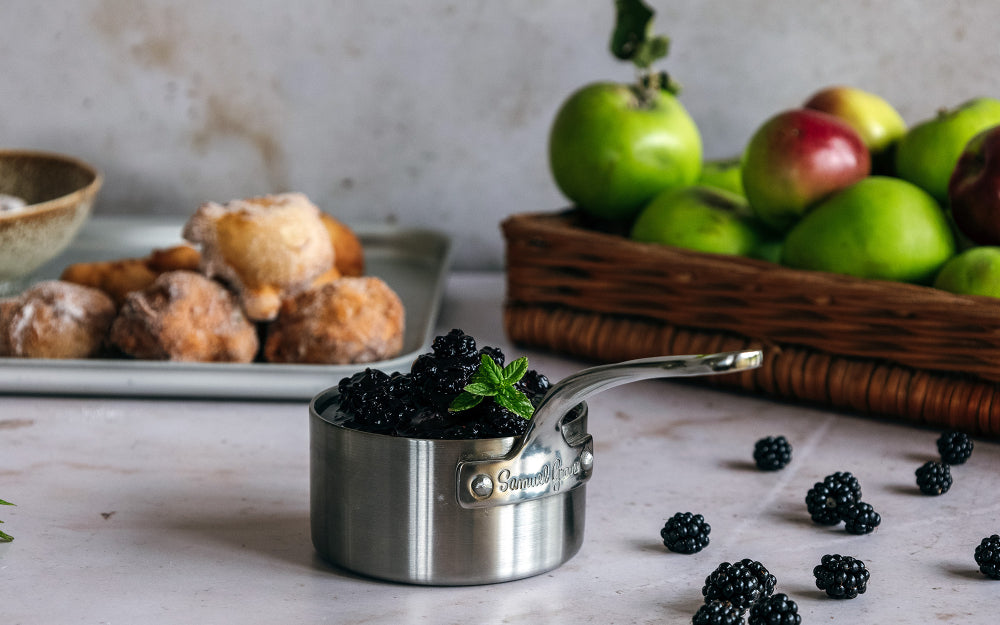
[928, 152]
[699, 218]
[882, 228]
[612, 147]
[797, 158]
[976, 271]
[724, 173]
[879, 124]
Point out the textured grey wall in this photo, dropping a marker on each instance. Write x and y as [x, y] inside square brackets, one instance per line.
[430, 112]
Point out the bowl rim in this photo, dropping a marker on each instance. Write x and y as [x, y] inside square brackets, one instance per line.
[90, 188]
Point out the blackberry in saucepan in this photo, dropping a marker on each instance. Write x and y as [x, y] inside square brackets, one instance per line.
[933, 478]
[497, 421]
[841, 577]
[718, 613]
[860, 518]
[374, 400]
[954, 447]
[534, 385]
[778, 609]
[827, 499]
[772, 453]
[741, 583]
[685, 533]
[988, 556]
[455, 344]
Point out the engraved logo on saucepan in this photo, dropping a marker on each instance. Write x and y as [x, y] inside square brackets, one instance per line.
[551, 475]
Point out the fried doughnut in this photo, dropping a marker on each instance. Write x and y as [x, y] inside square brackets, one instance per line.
[184, 316]
[120, 277]
[267, 248]
[351, 320]
[55, 319]
[349, 255]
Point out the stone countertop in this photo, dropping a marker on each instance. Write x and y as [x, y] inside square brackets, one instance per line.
[159, 511]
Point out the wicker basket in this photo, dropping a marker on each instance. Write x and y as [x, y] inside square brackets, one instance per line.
[879, 348]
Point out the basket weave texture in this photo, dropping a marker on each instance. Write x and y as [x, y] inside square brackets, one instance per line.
[875, 347]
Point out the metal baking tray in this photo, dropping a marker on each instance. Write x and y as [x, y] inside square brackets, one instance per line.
[414, 262]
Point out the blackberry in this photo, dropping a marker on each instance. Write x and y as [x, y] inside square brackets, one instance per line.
[954, 447]
[685, 533]
[718, 613]
[861, 518]
[493, 352]
[778, 609]
[772, 453]
[741, 583]
[988, 556]
[842, 577]
[374, 400]
[534, 385]
[827, 500]
[497, 422]
[453, 345]
[933, 478]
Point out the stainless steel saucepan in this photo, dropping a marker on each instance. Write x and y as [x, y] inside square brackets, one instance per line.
[462, 512]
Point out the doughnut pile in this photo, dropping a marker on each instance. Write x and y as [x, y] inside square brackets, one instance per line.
[263, 279]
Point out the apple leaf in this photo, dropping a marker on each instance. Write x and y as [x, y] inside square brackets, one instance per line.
[630, 40]
[633, 19]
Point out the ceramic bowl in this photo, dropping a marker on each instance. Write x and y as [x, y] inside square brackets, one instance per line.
[44, 200]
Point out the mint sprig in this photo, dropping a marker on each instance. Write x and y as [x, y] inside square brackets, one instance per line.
[491, 380]
[4, 537]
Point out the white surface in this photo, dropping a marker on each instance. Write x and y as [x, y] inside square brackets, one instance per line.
[197, 512]
[429, 112]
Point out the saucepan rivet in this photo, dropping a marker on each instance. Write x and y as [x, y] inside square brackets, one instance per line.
[482, 485]
[586, 459]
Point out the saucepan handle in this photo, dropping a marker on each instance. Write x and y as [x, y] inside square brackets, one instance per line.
[554, 455]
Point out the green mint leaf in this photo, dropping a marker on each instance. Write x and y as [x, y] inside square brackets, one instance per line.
[513, 372]
[5, 537]
[516, 401]
[482, 389]
[464, 401]
[5, 503]
[489, 372]
[632, 22]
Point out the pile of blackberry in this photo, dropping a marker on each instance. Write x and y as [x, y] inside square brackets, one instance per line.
[841, 577]
[415, 404]
[685, 533]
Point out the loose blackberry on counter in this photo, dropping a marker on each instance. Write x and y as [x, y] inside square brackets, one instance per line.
[686, 533]
[988, 556]
[778, 609]
[954, 447]
[455, 391]
[933, 478]
[741, 583]
[772, 453]
[841, 577]
[718, 613]
[860, 518]
[827, 500]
